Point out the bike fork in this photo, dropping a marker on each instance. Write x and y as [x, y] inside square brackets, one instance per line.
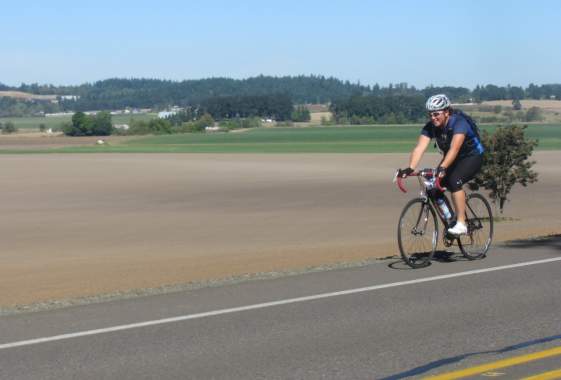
[423, 218]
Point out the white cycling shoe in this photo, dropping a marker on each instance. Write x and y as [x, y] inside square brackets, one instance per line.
[458, 229]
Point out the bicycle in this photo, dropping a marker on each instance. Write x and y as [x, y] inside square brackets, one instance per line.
[418, 231]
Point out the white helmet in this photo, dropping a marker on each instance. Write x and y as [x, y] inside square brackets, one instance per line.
[438, 102]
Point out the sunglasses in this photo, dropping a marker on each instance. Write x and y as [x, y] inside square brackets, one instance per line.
[435, 113]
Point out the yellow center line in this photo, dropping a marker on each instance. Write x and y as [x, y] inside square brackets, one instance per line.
[498, 364]
[556, 374]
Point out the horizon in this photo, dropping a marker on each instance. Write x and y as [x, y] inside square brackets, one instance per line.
[440, 44]
[270, 76]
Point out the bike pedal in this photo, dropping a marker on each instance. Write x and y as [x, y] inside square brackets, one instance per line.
[450, 236]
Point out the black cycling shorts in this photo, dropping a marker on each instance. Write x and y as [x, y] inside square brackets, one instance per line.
[462, 171]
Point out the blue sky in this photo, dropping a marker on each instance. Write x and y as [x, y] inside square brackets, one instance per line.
[458, 43]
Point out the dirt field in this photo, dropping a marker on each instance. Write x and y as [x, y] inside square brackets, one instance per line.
[83, 225]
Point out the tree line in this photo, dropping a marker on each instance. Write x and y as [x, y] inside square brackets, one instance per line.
[158, 94]
[372, 109]
[260, 96]
[12, 107]
[278, 107]
[400, 109]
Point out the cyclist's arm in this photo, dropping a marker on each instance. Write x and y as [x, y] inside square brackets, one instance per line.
[417, 153]
[455, 147]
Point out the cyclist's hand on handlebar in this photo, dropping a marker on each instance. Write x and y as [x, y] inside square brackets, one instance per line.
[402, 173]
[440, 171]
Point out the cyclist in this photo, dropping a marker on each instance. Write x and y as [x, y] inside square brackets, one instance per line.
[457, 138]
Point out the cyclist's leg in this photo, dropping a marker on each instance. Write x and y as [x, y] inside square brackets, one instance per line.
[460, 172]
[459, 200]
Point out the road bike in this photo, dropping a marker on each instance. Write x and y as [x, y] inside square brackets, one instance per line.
[418, 228]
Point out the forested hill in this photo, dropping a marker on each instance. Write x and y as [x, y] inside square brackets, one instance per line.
[147, 93]
[118, 93]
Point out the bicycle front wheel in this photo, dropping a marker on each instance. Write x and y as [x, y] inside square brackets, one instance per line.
[479, 221]
[417, 233]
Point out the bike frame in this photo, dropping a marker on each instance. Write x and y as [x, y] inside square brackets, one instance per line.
[428, 174]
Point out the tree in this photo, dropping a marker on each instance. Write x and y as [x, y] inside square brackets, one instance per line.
[160, 127]
[205, 121]
[85, 125]
[505, 162]
[9, 128]
[101, 125]
[80, 125]
[533, 91]
[300, 114]
[516, 93]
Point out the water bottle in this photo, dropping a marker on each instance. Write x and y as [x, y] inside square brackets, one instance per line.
[444, 208]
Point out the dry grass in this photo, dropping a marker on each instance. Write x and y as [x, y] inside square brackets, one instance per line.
[546, 105]
[551, 109]
[315, 117]
[26, 96]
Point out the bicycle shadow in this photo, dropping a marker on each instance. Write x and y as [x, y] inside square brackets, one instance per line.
[454, 359]
[551, 241]
[440, 256]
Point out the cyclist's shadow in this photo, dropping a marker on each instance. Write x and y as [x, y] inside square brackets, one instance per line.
[440, 256]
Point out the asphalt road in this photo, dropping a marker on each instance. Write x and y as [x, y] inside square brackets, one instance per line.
[380, 321]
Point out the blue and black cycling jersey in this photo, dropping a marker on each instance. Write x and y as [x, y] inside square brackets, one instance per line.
[457, 123]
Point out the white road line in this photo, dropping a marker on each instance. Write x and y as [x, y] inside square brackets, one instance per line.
[266, 305]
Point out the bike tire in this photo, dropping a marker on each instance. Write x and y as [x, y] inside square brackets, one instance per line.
[417, 233]
[479, 220]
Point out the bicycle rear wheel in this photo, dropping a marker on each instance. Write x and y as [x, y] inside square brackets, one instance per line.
[479, 221]
[417, 233]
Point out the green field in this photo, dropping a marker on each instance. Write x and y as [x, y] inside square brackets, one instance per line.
[57, 121]
[335, 139]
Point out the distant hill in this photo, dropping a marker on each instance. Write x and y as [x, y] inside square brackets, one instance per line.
[120, 93]
[150, 93]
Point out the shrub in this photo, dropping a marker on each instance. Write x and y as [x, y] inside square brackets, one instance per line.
[239, 123]
[9, 128]
[505, 162]
[534, 114]
[154, 126]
